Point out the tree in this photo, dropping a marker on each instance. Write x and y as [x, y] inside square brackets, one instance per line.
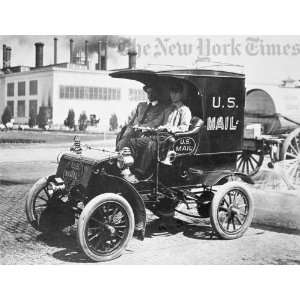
[6, 116]
[32, 118]
[42, 118]
[93, 120]
[70, 120]
[113, 122]
[83, 121]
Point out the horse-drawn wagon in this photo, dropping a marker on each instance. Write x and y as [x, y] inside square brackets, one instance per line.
[272, 130]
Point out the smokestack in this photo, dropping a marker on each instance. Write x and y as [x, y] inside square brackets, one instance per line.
[132, 59]
[86, 61]
[55, 51]
[71, 51]
[99, 56]
[104, 58]
[8, 57]
[39, 55]
[4, 56]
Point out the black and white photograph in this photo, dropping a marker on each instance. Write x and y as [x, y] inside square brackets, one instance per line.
[149, 149]
[137, 149]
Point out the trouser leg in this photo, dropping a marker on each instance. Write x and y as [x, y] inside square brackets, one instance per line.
[125, 140]
[147, 158]
[143, 151]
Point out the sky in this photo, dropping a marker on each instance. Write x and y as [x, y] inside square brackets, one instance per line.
[265, 59]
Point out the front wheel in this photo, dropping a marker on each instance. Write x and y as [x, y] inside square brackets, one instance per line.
[105, 227]
[44, 209]
[37, 202]
[232, 210]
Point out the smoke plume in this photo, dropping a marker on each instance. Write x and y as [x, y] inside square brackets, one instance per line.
[23, 50]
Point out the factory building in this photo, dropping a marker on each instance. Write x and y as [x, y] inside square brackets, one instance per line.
[62, 86]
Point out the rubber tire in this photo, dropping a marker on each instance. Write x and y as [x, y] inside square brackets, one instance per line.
[36, 188]
[84, 218]
[224, 189]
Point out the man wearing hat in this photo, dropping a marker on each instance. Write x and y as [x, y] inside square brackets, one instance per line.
[178, 120]
[147, 114]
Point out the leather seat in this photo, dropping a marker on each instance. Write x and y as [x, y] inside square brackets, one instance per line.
[194, 128]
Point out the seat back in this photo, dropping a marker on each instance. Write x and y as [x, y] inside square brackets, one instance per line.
[194, 128]
[195, 122]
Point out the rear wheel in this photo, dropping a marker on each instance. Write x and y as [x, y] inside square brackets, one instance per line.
[232, 210]
[105, 227]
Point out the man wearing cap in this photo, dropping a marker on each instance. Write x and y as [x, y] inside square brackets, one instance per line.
[147, 114]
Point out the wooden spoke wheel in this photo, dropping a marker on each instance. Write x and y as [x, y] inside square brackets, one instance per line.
[290, 156]
[249, 162]
[232, 210]
[105, 227]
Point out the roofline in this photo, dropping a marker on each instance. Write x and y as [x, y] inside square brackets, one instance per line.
[52, 69]
[182, 72]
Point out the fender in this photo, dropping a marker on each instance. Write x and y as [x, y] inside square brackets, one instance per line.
[106, 183]
[244, 177]
[213, 178]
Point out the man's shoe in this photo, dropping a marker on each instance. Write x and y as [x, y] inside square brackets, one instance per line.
[127, 175]
[131, 178]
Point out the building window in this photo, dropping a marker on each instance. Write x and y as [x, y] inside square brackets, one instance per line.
[81, 92]
[91, 96]
[137, 95]
[33, 87]
[113, 94]
[61, 92]
[10, 89]
[118, 94]
[77, 92]
[95, 93]
[67, 92]
[72, 92]
[100, 93]
[84, 92]
[21, 109]
[104, 93]
[21, 88]
[33, 107]
[10, 105]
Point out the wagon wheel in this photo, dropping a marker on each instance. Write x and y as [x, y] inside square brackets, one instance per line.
[105, 227]
[249, 162]
[290, 156]
[232, 210]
